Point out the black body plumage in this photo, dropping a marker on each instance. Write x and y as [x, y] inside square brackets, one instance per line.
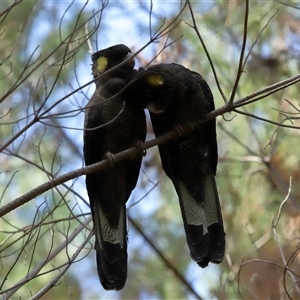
[177, 96]
[122, 125]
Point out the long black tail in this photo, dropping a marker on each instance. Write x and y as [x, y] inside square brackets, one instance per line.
[203, 222]
[111, 247]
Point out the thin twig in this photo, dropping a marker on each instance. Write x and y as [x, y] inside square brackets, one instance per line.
[275, 220]
[274, 225]
[241, 61]
[12, 290]
[164, 259]
[62, 271]
[195, 27]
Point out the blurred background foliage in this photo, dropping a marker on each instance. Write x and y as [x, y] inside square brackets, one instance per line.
[45, 49]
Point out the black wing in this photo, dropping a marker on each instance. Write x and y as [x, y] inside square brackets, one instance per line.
[109, 189]
[177, 96]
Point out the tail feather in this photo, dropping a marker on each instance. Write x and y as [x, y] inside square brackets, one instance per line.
[203, 222]
[111, 249]
[215, 229]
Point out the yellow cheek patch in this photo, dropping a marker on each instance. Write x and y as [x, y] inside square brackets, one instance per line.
[101, 64]
[155, 80]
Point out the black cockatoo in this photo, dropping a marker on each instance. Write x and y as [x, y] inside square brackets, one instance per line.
[122, 125]
[175, 97]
